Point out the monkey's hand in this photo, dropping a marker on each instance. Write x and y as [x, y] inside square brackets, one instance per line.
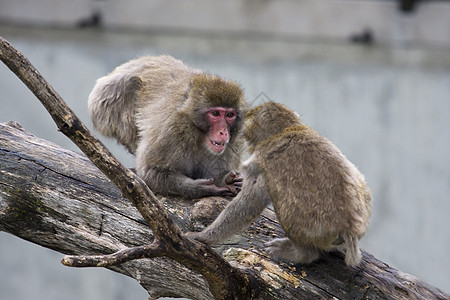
[208, 188]
[233, 180]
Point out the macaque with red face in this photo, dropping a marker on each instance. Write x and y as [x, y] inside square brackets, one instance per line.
[220, 120]
[183, 125]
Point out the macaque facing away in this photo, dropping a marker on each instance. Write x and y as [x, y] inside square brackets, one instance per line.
[320, 198]
[183, 125]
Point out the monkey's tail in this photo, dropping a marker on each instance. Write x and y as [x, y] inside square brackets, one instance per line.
[111, 106]
[352, 254]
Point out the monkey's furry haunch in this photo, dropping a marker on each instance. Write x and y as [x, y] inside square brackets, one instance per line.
[320, 198]
[183, 125]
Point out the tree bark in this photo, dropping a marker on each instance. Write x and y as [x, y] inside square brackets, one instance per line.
[58, 199]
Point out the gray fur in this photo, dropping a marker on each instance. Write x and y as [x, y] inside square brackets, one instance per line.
[155, 107]
[320, 198]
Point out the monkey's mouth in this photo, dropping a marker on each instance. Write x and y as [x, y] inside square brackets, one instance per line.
[217, 147]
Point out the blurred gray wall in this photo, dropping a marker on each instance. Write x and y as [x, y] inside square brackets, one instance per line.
[386, 104]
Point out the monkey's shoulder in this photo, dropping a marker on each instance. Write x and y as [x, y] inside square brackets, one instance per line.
[301, 156]
[293, 142]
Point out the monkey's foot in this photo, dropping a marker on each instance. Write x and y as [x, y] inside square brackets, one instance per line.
[233, 180]
[285, 249]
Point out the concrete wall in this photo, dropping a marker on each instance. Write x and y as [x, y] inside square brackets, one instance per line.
[326, 19]
[387, 106]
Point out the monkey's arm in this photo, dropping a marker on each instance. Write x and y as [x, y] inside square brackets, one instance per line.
[238, 214]
[172, 183]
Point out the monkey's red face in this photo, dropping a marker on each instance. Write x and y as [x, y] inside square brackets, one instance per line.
[220, 119]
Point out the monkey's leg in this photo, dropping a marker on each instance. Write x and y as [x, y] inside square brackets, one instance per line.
[286, 250]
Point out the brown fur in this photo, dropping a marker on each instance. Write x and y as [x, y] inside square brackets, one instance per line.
[155, 107]
[320, 198]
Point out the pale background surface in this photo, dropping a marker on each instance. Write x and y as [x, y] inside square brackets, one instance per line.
[386, 106]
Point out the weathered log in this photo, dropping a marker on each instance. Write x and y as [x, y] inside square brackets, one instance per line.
[58, 199]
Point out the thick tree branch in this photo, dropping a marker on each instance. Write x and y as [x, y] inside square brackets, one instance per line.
[230, 284]
[58, 199]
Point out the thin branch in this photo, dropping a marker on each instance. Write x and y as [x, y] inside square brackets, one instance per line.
[148, 251]
[132, 187]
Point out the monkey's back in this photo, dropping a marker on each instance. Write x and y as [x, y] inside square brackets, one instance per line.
[165, 84]
[317, 193]
[137, 92]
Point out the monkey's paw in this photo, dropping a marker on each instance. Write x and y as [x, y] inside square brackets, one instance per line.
[278, 248]
[206, 187]
[285, 250]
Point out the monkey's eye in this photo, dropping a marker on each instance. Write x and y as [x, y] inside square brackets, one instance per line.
[230, 114]
[215, 113]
